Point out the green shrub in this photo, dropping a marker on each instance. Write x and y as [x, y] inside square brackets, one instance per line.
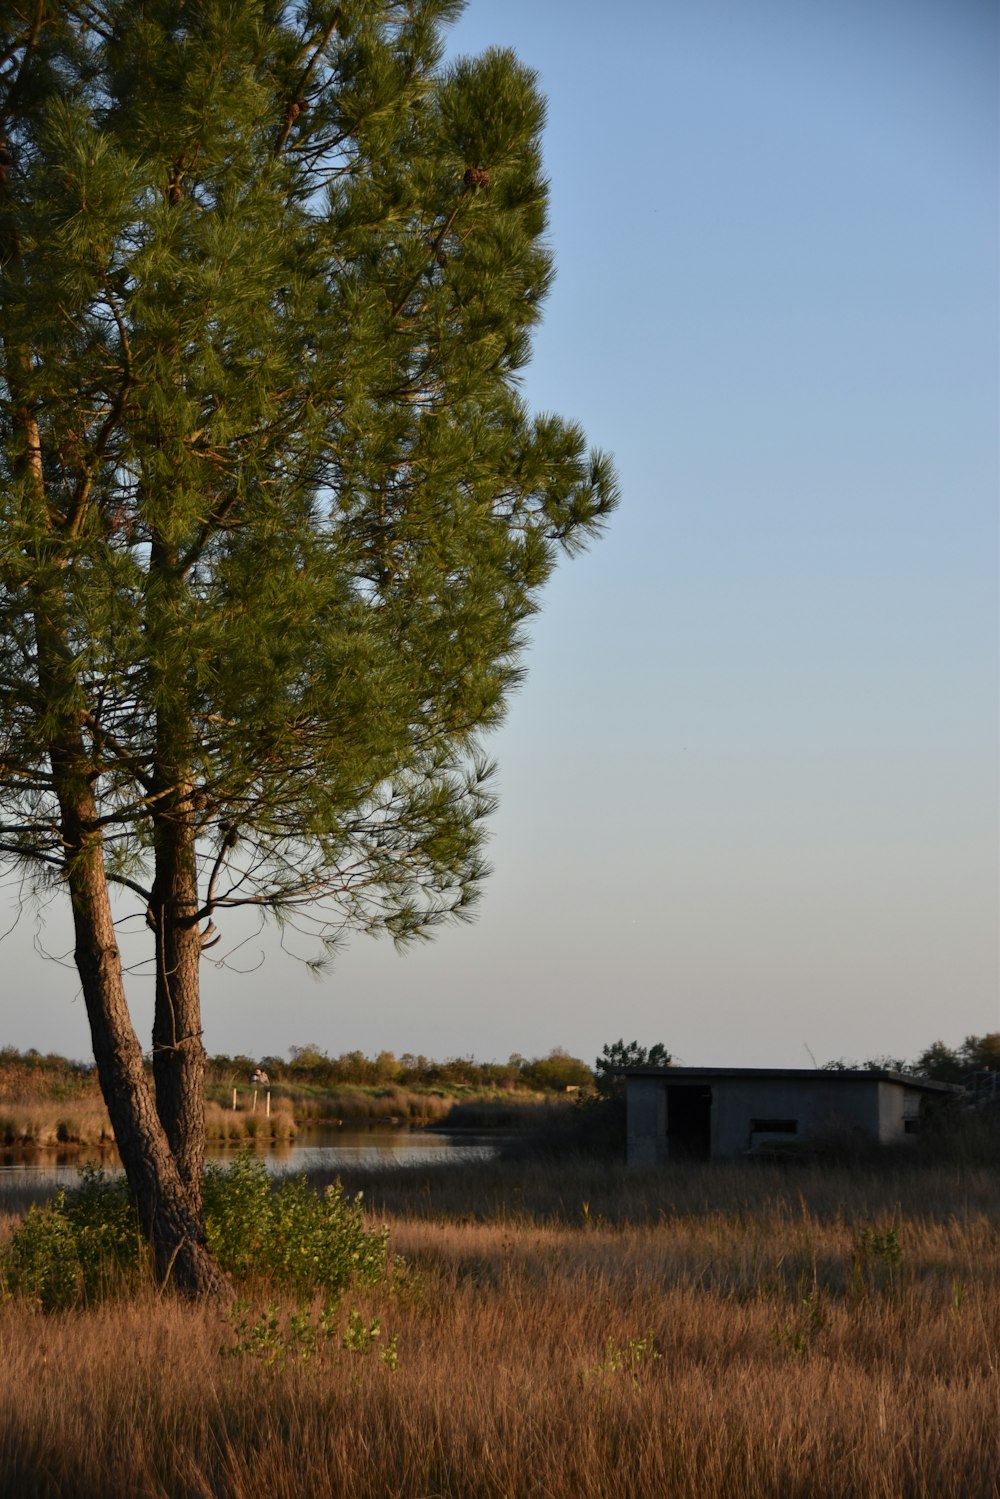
[287, 1232]
[81, 1247]
[85, 1245]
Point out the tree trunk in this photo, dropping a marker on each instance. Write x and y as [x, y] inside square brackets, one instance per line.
[170, 1216]
[178, 1052]
[172, 1222]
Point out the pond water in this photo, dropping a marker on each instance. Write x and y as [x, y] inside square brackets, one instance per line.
[326, 1148]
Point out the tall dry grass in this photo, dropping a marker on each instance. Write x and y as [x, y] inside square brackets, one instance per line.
[689, 1334]
[43, 1125]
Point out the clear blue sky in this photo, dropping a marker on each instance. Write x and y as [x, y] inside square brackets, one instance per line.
[749, 790]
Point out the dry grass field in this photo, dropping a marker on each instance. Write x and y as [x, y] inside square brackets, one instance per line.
[558, 1331]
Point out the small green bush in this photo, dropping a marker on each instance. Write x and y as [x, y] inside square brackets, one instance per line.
[81, 1247]
[287, 1232]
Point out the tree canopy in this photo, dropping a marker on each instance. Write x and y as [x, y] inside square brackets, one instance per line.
[274, 511]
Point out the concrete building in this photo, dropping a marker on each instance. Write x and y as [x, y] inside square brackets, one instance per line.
[702, 1113]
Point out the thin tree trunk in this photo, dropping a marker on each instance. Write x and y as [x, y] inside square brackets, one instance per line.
[172, 1222]
[178, 1052]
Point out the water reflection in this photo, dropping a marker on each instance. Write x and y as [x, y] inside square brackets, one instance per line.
[325, 1148]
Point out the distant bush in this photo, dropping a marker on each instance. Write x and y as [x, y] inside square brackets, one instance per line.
[557, 1072]
[310, 1067]
[948, 1064]
[621, 1053]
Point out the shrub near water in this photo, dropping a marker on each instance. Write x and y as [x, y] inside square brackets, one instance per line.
[81, 1247]
[86, 1245]
[289, 1234]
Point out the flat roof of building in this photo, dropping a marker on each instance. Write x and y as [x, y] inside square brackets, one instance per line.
[789, 1074]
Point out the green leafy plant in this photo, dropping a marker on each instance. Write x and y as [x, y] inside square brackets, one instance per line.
[277, 1337]
[799, 1335]
[631, 1362]
[79, 1248]
[86, 1244]
[876, 1261]
[287, 1233]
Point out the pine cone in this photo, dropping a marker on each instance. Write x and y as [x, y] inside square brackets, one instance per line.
[476, 177]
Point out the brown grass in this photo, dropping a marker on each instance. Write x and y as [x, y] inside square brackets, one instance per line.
[84, 1121]
[795, 1359]
[42, 1124]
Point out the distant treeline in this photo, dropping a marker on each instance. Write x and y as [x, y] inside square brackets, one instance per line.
[23, 1073]
[940, 1063]
[311, 1067]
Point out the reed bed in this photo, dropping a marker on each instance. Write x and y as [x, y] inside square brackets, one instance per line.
[36, 1125]
[401, 1105]
[708, 1332]
[44, 1123]
[241, 1125]
[371, 1105]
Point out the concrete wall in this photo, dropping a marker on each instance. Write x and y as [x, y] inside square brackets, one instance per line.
[646, 1121]
[870, 1108]
[896, 1105]
[819, 1108]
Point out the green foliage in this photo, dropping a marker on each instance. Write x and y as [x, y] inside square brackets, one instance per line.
[287, 1233]
[882, 1063]
[79, 1248]
[620, 1053]
[266, 475]
[277, 1337]
[557, 1072]
[941, 1063]
[876, 1261]
[41, 1262]
[946, 1064]
[86, 1245]
[632, 1362]
[799, 1335]
[311, 1066]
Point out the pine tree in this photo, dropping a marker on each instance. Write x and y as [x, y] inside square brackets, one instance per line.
[274, 511]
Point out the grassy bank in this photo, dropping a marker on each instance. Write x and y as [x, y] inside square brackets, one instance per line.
[45, 1124]
[48, 1099]
[581, 1331]
[41, 1124]
[351, 1103]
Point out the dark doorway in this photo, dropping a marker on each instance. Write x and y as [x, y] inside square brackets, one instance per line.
[689, 1122]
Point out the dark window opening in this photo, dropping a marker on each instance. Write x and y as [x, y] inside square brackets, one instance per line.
[911, 1126]
[774, 1126]
[689, 1122]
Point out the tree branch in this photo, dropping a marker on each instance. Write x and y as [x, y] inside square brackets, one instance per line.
[295, 105]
